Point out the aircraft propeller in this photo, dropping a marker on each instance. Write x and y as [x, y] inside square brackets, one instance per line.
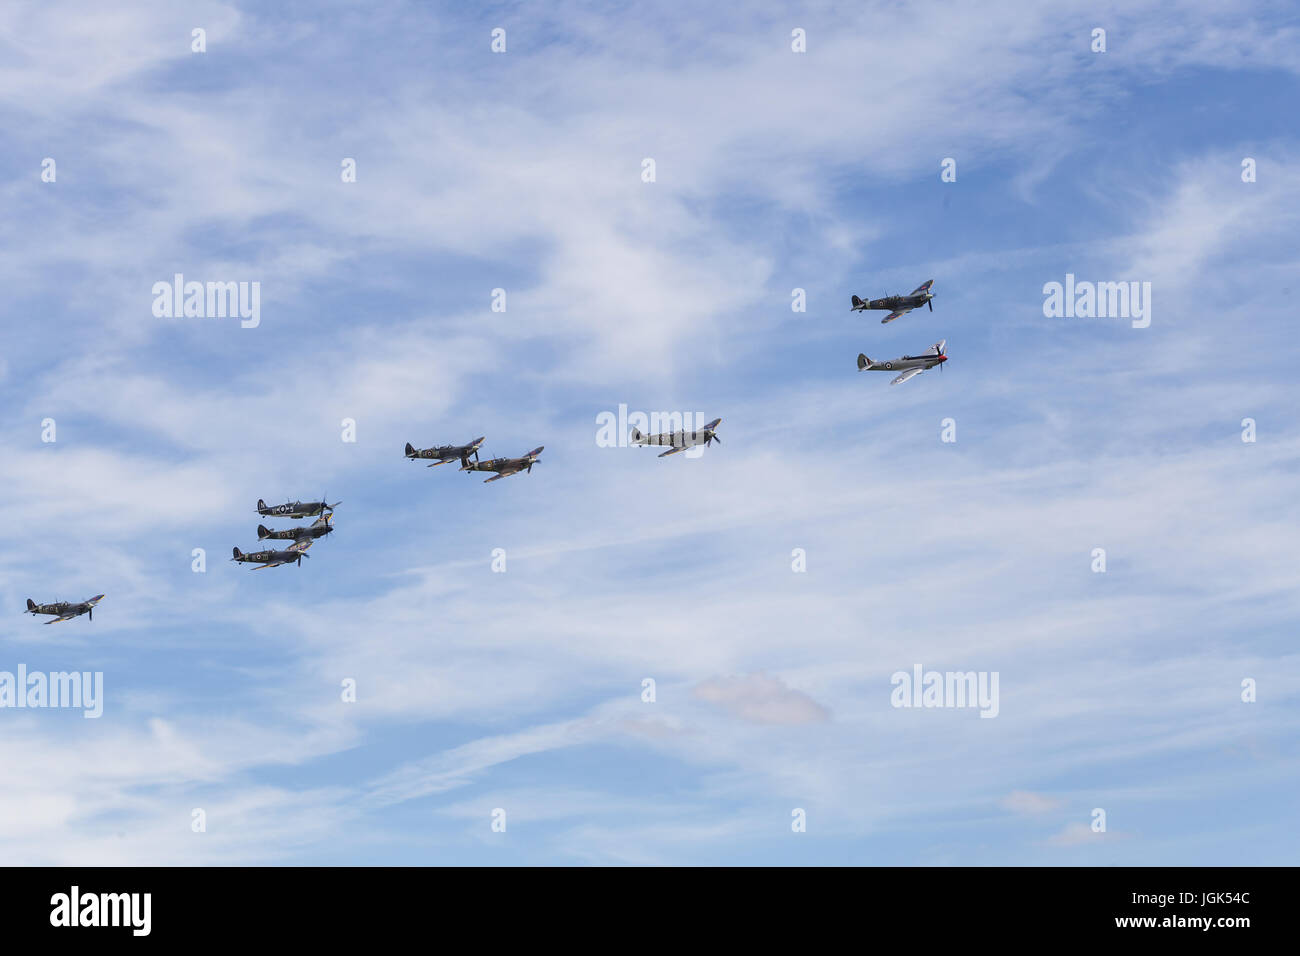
[930, 301]
[325, 506]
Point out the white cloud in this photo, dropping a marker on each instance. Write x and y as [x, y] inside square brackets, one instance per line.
[1025, 801]
[1076, 834]
[762, 699]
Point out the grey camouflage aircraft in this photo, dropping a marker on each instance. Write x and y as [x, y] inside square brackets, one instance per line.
[269, 559]
[295, 509]
[679, 440]
[505, 467]
[909, 366]
[445, 453]
[898, 304]
[64, 610]
[302, 538]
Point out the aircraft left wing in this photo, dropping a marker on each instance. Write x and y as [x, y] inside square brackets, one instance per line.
[58, 620]
[904, 376]
[672, 451]
[894, 315]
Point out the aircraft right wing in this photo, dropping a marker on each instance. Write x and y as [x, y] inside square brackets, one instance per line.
[923, 287]
[894, 315]
[302, 544]
[909, 373]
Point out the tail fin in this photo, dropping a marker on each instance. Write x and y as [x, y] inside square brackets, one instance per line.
[260, 504]
[31, 605]
[863, 361]
[857, 303]
[237, 554]
[263, 532]
[636, 434]
[410, 450]
[464, 462]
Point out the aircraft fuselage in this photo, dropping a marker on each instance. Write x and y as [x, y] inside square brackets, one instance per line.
[906, 362]
[895, 302]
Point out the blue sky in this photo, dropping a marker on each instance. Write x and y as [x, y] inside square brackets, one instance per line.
[521, 690]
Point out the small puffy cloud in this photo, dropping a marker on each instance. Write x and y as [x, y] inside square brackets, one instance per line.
[1074, 834]
[1026, 801]
[761, 699]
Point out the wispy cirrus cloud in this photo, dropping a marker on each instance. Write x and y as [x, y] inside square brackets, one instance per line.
[775, 170]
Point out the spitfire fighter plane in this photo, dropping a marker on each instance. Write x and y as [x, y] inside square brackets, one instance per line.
[445, 453]
[504, 467]
[679, 440]
[899, 304]
[295, 509]
[302, 538]
[63, 610]
[269, 559]
[909, 366]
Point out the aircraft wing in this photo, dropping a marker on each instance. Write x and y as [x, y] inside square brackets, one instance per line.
[302, 544]
[65, 617]
[672, 451]
[904, 376]
[923, 287]
[894, 315]
[498, 477]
